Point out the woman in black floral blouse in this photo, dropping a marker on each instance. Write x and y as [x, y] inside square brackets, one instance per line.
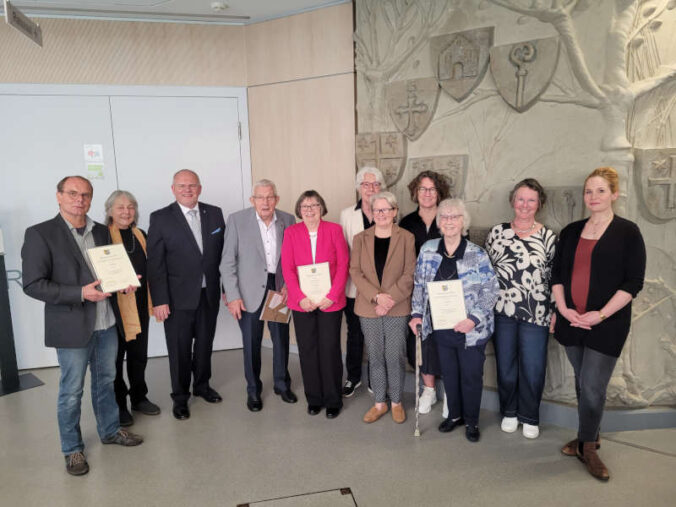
[522, 252]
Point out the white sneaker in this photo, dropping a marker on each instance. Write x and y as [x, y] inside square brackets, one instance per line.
[444, 412]
[427, 399]
[510, 425]
[530, 430]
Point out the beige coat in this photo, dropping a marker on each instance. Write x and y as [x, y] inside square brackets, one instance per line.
[397, 274]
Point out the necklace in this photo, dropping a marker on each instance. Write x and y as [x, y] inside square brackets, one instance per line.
[599, 225]
[523, 231]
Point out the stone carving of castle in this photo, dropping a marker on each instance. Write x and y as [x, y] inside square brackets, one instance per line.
[459, 60]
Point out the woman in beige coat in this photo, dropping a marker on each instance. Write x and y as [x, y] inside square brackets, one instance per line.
[382, 266]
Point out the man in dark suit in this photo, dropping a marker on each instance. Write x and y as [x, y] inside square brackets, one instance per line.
[79, 320]
[185, 241]
[250, 267]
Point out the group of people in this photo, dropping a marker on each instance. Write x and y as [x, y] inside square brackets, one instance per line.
[523, 285]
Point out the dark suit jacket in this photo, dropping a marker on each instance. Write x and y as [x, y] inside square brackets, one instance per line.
[54, 271]
[175, 264]
[397, 275]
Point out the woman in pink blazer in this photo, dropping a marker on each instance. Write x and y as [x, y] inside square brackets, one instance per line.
[317, 324]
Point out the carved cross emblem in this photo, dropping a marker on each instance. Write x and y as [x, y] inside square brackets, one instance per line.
[669, 180]
[411, 108]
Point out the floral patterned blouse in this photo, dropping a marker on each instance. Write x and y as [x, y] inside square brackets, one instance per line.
[523, 267]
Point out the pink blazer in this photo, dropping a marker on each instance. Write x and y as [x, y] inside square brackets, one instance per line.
[331, 248]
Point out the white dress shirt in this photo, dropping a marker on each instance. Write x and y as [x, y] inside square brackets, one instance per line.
[269, 237]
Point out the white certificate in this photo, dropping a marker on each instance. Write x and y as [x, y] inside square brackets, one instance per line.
[112, 266]
[315, 281]
[447, 303]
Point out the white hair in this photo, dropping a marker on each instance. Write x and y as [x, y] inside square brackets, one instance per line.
[359, 179]
[458, 204]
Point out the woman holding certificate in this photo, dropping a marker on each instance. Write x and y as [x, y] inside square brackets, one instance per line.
[381, 266]
[455, 290]
[315, 262]
[132, 311]
[598, 269]
[522, 252]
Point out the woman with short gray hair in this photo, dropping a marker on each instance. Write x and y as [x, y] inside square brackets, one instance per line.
[381, 266]
[132, 311]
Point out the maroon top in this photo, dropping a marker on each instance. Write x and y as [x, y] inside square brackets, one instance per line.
[579, 284]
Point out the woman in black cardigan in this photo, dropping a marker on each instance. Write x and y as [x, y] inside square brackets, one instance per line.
[598, 269]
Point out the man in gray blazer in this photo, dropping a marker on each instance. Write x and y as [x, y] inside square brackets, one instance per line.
[249, 268]
[79, 320]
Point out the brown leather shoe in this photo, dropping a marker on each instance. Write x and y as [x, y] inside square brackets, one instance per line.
[594, 464]
[374, 413]
[570, 449]
[398, 413]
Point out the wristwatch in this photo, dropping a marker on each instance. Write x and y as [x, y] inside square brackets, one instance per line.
[602, 317]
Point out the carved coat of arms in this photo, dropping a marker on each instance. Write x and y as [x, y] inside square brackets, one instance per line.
[383, 150]
[522, 71]
[460, 60]
[411, 104]
[454, 167]
[655, 178]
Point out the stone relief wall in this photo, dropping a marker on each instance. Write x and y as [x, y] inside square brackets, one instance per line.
[549, 89]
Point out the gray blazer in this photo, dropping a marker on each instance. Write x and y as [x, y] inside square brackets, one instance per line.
[243, 266]
[54, 271]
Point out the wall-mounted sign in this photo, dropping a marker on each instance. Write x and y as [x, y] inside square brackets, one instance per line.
[15, 18]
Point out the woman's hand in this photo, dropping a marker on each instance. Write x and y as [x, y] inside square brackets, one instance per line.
[574, 318]
[385, 300]
[591, 318]
[325, 303]
[464, 326]
[381, 311]
[552, 323]
[307, 305]
[413, 323]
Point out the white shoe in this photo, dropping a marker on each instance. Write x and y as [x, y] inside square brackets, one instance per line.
[510, 425]
[444, 412]
[427, 399]
[530, 430]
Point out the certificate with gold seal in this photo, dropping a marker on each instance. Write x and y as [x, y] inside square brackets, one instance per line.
[447, 303]
[315, 281]
[112, 266]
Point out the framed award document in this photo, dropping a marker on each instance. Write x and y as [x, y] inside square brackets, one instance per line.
[447, 303]
[315, 280]
[112, 266]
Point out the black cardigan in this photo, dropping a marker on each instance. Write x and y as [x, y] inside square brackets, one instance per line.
[617, 263]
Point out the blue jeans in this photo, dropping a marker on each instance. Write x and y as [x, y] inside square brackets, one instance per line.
[100, 353]
[521, 359]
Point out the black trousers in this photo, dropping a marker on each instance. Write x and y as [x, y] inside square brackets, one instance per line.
[318, 338]
[354, 346]
[137, 359]
[190, 338]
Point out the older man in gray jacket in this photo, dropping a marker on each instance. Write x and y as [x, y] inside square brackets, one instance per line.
[249, 268]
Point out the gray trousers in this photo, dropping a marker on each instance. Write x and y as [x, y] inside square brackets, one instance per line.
[592, 375]
[385, 339]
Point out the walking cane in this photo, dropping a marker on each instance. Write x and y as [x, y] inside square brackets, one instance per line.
[418, 363]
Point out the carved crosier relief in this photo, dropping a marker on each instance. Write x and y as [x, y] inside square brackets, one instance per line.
[412, 104]
[564, 205]
[454, 167]
[655, 179]
[460, 60]
[522, 71]
[384, 150]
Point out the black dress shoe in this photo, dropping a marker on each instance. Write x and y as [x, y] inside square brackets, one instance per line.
[254, 403]
[332, 412]
[449, 424]
[472, 433]
[181, 412]
[287, 396]
[146, 407]
[313, 409]
[210, 395]
[126, 419]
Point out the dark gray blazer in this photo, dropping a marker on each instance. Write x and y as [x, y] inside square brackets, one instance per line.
[175, 263]
[54, 271]
[243, 268]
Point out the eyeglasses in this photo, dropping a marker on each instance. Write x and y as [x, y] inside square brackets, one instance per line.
[426, 190]
[268, 198]
[72, 194]
[309, 207]
[182, 186]
[373, 186]
[450, 218]
[381, 211]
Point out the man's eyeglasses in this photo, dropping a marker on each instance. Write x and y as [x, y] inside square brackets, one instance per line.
[268, 198]
[72, 194]
[191, 186]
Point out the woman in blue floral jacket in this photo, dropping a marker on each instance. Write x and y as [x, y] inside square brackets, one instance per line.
[461, 349]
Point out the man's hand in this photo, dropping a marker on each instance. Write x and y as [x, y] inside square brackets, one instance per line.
[90, 293]
[161, 312]
[236, 307]
[285, 294]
